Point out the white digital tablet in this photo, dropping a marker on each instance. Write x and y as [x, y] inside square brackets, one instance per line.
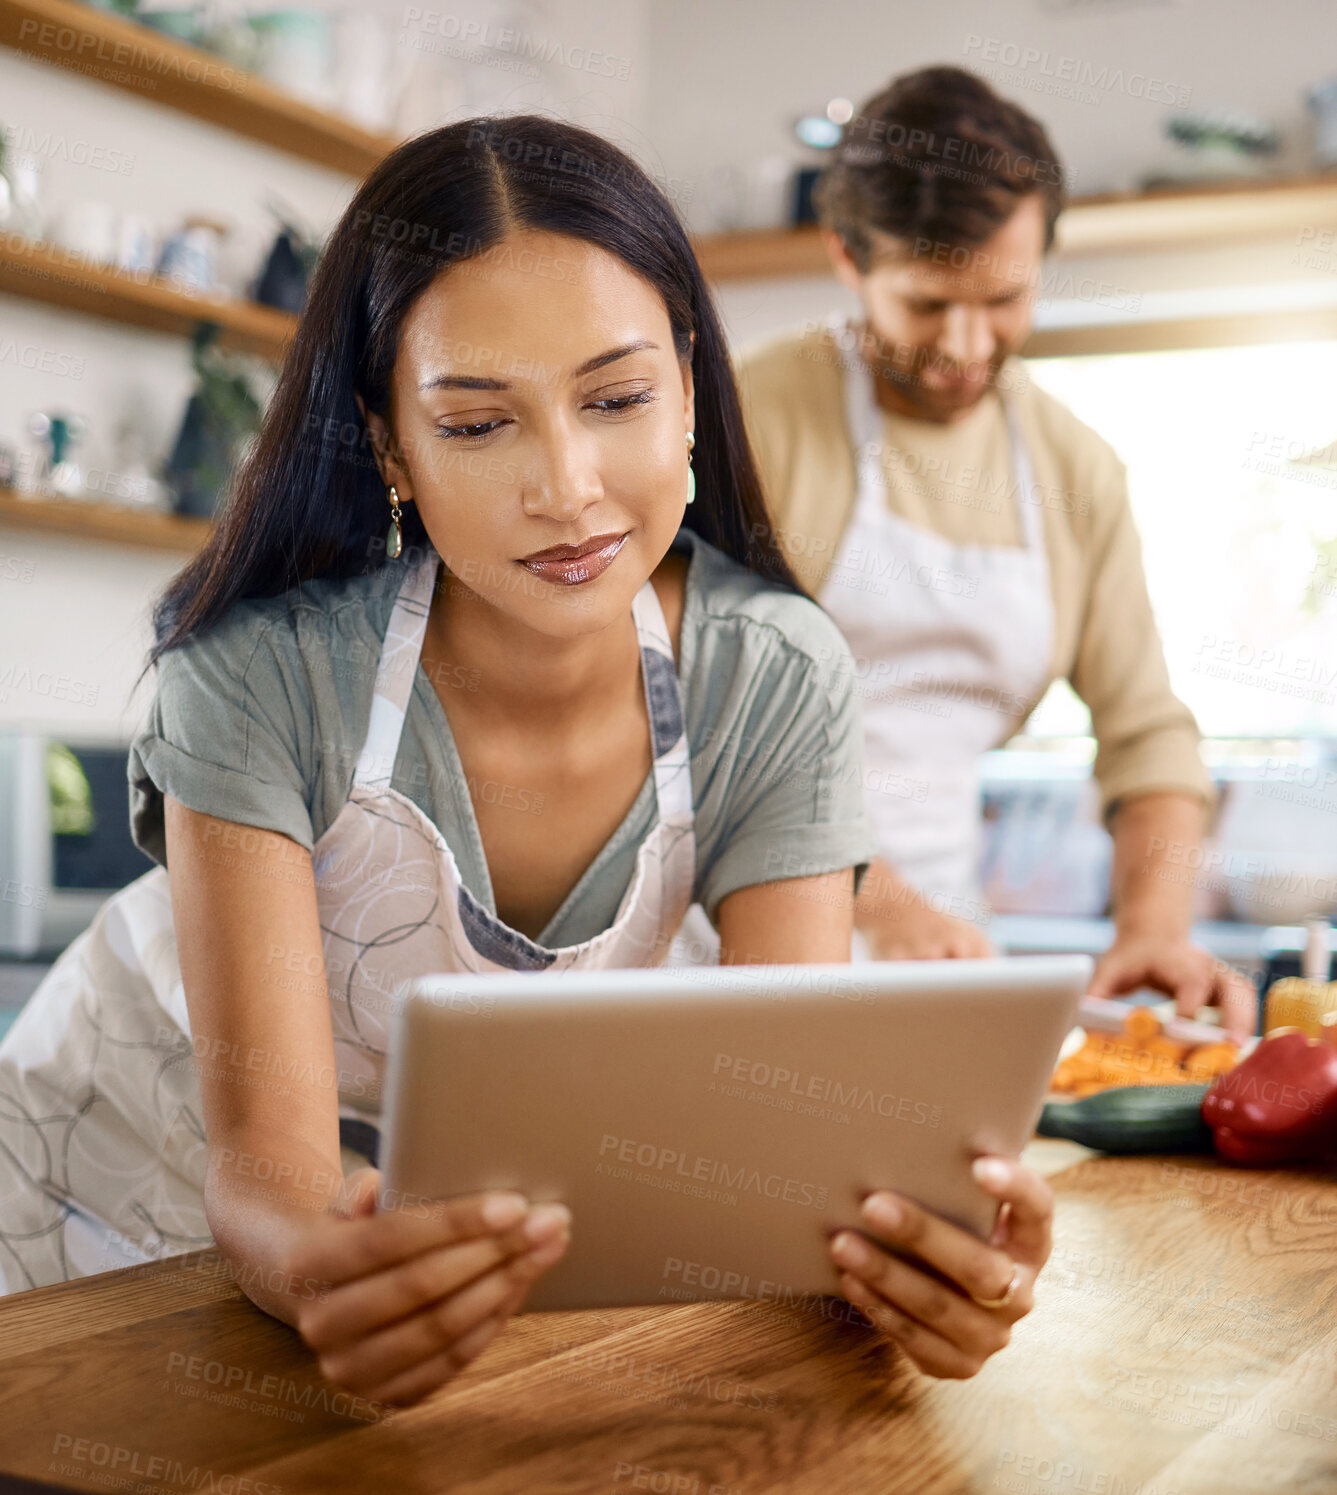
[711, 1127]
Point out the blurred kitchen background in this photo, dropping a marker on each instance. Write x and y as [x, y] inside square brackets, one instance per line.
[169, 173]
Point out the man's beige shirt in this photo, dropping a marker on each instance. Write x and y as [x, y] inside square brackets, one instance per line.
[956, 480]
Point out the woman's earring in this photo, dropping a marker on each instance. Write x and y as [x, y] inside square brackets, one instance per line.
[394, 540]
[691, 476]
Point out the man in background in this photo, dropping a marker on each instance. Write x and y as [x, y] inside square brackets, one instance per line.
[971, 537]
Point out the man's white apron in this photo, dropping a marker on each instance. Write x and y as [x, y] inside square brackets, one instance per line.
[950, 642]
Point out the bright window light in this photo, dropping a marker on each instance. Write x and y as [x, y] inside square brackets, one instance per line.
[1232, 475]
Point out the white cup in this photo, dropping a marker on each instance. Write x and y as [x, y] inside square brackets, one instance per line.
[89, 229]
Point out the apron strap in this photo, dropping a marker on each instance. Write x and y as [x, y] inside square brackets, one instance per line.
[402, 650]
[1023, 479]
[396, 672]
[864, 416]
[862, 411]
[663, 701]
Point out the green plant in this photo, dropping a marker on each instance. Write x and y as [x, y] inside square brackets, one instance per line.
[71, 799]
[221, 415]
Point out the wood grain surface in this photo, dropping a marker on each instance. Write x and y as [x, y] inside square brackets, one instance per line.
[1183, 1341]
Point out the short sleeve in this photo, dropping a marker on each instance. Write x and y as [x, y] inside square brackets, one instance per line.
[229, 733]
[791, 762]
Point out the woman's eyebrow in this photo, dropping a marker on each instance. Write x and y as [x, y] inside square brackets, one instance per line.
[477, 381]
[603, 358]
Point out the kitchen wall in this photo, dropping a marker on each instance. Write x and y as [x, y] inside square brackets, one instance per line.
[729, 78]
[707, 85]
[78, 611]
[749, 68]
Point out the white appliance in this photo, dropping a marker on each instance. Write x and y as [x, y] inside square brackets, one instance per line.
[52, 884]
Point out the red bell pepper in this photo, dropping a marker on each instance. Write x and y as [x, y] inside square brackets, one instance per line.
[1277, 1106]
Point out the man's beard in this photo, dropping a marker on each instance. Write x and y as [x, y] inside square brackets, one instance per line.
[891, 366]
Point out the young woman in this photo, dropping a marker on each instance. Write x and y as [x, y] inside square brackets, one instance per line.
[569, 694]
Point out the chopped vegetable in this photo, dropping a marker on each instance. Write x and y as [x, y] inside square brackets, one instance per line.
[1209, 1060]
[1140, 1055]
[1141, 1024]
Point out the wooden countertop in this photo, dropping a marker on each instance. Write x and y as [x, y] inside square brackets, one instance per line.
[1184, 1340]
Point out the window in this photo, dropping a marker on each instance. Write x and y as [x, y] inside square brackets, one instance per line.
[1232, 474]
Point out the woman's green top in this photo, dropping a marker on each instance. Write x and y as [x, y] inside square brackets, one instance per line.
[260, 720]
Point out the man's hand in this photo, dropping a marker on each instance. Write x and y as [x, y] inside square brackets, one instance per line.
[899, 923]
[921, 933]
[1176, 966]
[1153, 894]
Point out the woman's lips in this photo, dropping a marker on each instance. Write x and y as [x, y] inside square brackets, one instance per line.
[570, 565]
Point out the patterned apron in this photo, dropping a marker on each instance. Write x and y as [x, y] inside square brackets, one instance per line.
[102, 1148]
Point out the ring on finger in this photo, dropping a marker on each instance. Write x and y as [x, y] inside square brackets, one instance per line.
[1008, 1293]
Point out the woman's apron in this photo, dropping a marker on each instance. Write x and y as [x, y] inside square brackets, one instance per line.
[951, 643]
[102, 1147]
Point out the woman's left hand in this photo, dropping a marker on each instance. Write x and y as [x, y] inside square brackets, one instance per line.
[930, 1306]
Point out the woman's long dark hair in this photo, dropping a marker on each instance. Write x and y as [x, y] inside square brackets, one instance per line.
[309, 501]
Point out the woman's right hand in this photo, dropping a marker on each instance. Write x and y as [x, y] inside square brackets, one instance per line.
[394, 1301]
[414, 1294]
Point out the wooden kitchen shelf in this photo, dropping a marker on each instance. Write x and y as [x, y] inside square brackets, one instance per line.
[1177, 217]
[1220, 330]
[60, 277]
[1111, 224]
[99, 519]
[124, 54]
[762, 254]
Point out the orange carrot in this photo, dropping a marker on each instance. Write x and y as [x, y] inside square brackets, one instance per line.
[1141, 1024]
[1209, 1060]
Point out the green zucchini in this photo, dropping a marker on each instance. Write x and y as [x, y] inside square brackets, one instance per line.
[1132, 1118]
